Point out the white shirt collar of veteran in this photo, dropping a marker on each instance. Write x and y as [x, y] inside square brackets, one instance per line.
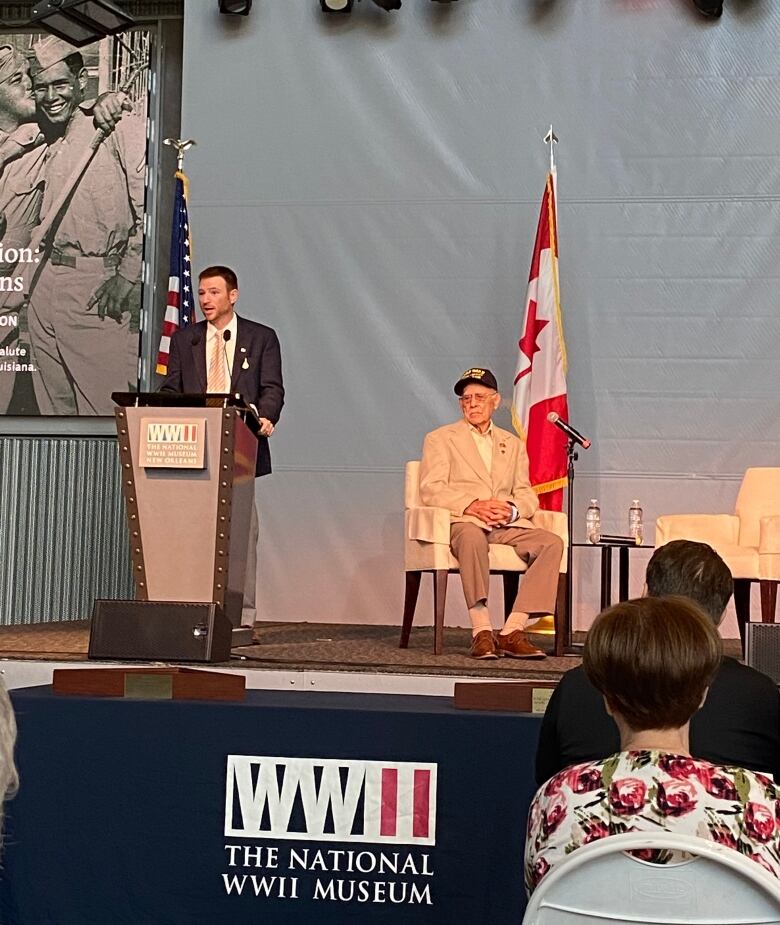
[484, 442]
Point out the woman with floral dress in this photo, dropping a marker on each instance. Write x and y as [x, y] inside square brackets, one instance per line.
[652, 660]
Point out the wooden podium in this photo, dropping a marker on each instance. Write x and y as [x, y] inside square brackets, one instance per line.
[188, 477]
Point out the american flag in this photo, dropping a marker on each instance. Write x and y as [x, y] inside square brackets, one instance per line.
[179, 306]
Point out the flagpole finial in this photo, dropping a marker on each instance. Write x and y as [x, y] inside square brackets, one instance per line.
[181, 148]
[551, 139]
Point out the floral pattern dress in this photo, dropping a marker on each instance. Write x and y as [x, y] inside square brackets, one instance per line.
[649, 791]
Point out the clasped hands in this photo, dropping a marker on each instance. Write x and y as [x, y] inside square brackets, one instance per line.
[493, 513]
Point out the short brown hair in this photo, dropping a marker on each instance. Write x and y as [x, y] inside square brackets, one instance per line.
[652, 659]
[691, 570]
[226, 273]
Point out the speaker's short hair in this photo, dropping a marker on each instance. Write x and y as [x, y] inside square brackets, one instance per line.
[225, 272]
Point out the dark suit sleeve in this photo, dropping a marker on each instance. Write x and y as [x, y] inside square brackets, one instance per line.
[576, 727]
[270, 397]
[739, 723]
[173, 379]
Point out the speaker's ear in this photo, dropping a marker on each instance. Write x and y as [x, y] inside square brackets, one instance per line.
[167, 631]
[762, 648]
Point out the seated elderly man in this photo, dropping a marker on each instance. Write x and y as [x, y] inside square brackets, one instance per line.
[740, 720]
[652, 660]
[479, 472]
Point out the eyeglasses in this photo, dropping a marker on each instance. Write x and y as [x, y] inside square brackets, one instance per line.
[476, 399]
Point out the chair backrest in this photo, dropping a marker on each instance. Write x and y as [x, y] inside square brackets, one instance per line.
[759, 496]
[600, 883]
[412, 485]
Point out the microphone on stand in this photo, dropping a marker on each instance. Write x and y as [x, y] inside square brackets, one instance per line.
[554, 418]
[225, 339]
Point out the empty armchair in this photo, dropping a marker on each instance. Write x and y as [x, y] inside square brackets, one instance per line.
[747, 540]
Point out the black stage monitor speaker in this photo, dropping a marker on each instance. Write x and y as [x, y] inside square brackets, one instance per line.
[762, 648]
[159, 631]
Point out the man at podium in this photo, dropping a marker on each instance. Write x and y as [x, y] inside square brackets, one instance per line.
[226, 353]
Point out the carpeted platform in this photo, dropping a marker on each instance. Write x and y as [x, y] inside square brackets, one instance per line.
[322, 647]
[375, 648]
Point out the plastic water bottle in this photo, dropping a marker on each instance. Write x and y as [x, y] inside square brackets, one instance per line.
[635, 527]
[593, 521]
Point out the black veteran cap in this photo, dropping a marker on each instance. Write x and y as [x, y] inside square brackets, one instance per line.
[479, 377]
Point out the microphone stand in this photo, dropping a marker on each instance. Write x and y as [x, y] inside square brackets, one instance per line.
[569, 648]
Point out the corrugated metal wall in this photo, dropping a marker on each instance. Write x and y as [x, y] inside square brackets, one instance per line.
[63, 538]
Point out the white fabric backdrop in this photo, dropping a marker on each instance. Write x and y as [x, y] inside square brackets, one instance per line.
[375, 180]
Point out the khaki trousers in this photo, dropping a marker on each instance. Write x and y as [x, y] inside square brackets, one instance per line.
[81, 358]
[541, 549]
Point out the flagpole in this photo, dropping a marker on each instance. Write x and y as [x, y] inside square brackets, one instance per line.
[179, 295]
[182, 147]
[551, 139]
[565, 646]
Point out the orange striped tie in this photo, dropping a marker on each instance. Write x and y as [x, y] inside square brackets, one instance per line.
[217, 380]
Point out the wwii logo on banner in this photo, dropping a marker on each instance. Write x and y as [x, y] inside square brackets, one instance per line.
[324, 799]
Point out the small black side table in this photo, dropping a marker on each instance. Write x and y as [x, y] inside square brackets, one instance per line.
[606, 569]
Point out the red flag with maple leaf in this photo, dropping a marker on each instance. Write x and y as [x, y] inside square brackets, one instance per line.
[540, 376]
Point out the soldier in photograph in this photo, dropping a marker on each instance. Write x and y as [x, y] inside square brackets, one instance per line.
[86, 291]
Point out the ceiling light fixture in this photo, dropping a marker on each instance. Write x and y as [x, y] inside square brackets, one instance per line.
[80, 22]
[336, 6]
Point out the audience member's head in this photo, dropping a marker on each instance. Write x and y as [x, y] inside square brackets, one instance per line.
[692, 570]
[653, 659]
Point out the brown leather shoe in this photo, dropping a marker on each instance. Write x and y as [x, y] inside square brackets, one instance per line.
[483, 645]
[516, 645]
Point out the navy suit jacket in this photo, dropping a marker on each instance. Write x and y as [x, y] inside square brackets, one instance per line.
[257, 372]
[739, 723]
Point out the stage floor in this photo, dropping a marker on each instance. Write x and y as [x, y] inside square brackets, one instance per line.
[314, 655]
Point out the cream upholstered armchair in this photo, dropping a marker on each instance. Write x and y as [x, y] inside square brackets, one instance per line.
[427, 549]
[748, 540]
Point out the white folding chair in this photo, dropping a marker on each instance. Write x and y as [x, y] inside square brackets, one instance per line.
[600, 883]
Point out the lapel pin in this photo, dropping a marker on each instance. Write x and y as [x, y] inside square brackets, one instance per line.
[243, 350]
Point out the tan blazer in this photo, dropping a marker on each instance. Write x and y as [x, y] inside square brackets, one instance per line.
[452, 473]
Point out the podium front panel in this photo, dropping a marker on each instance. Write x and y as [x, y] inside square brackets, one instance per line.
[189, 527]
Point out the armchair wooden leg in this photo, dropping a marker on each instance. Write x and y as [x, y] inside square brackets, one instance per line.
[439, 598]
[768, 600]
[562, 617]
[742, 605]
[410, 603]
[511, 583]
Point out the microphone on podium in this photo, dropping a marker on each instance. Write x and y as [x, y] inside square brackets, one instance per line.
[554, 418]
[225, 339]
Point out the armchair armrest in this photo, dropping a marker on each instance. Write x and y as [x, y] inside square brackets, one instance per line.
[428, 524]
[556, 522]
[769, 547]
[769, 535]
[715, 529]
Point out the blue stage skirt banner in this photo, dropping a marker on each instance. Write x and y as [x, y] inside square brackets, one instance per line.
[289, 807]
